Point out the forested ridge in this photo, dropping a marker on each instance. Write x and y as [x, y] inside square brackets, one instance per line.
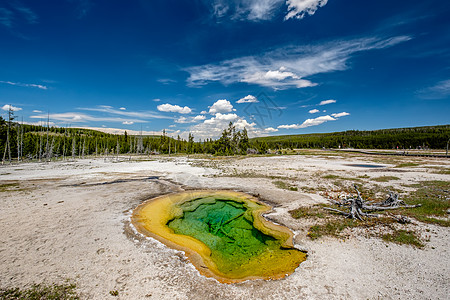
[428, 137]
[25, 142]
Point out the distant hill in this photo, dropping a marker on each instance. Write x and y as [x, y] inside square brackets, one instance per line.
[434, 137]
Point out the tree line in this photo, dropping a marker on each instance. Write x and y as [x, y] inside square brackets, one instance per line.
[429, 137]
[32, 142]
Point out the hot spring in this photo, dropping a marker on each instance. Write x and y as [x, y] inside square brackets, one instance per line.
[223, 233]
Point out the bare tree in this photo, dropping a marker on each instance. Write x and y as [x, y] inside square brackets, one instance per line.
[8, 146]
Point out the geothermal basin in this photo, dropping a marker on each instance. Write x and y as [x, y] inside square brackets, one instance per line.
[223, 234]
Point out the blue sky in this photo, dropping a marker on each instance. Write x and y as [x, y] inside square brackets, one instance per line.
[272, 66]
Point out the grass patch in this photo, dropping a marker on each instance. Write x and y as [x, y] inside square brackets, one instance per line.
[385, 178]
[403, 237]
[407, 165]
[443, 172]
[435, 199]
[283, 185]
[9, 187]
[331, 176]
[41, 292]
[307, 212]
[335, 227]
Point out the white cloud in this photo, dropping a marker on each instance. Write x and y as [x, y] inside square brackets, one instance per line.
[37, 111]
[135, 114]
[128, 123]
[184, 120]
[299, 8]
[203, 112]
[39, 86]
[252, 10]
[315, 122]
[219, 117]
[308, 123]
[166, 81]
[248, 99]
[313, 111]
[342, 114]
[74, 117]
[7, 107]
[440, 90]
[221, 106]
[156, 100]
[270, 69]
[122, 108]
[325, 102]
[270, 129]
[199, 118]
[260, 10]
[121, 131]
[277, 79]
[174, 108]
[213, 127]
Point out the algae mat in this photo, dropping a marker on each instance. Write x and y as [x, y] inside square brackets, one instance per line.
[222, 233]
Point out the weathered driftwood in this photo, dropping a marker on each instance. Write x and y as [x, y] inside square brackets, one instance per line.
[356, 206]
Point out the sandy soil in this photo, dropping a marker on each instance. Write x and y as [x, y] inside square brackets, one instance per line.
[71, 221]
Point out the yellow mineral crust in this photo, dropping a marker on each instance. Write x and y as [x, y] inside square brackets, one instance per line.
[152, 217]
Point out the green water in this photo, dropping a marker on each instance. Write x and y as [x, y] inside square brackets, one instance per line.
[226, 227]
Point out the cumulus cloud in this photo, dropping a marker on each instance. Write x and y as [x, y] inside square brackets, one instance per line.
[248, 99]
[199, 118]
[270, 129]
[184, 120]
[313, 111]
[308, 123]
[174, 108]
[315, 121]
[299, 8]
[8, 107]
[122, 108]
[221, 106]
[213, 127]
[127, 122]
[287, 67]
[325, 102]
[39, 86]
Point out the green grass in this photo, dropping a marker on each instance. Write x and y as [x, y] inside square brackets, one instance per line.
[443, 172]
[41, 292]
[283, 185]
[335, 227]
[331, 176]
[435, 199]
[9, 187]
[403, 237]
[385, 178]
[315, 211]
[407, 165]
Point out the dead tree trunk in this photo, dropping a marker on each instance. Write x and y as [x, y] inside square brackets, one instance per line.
[356, 207]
